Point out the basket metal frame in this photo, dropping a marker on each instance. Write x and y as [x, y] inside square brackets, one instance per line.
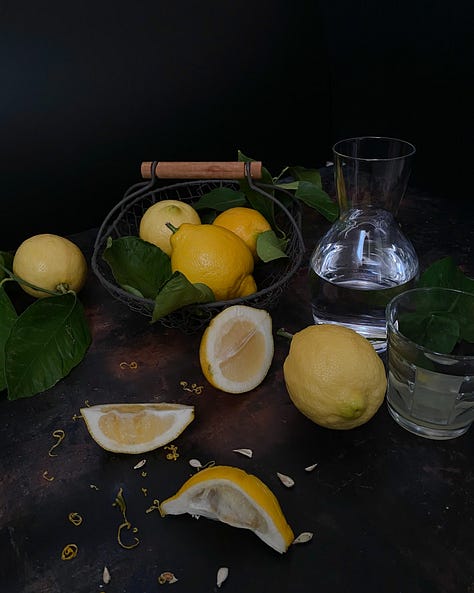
[192, 317]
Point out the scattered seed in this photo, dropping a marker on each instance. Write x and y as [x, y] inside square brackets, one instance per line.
[140, 464]
[286, 480]
[167, 577]
[310, 467]
[93, 486]
[222, 575]
[246, 452]
[304, 537]
[195, 463]
[106, 575]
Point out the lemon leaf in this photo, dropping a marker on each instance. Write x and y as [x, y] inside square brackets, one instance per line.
[270, 247]
[221, 198]
[8, 316]
[46, 342]
[6, 263]
[314, 196]
[178, 292]
[138, 266]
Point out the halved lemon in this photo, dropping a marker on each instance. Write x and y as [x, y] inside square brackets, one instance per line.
[231, 495]
[136, 428]
[236, 349]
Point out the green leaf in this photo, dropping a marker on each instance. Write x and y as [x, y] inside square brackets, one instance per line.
[446, 274]
[179, 292]
[221, 198]
[138, 266]
[270, 247]
[438, 331]
[6, 261]
[311, 175]
[258, 201]
[8, 316]
[46, 342]
[317, 198]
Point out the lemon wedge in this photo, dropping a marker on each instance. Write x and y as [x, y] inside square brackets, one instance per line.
[136, 428]
[231, 495]
[236, 349]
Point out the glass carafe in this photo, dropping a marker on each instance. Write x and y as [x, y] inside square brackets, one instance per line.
[364, 259]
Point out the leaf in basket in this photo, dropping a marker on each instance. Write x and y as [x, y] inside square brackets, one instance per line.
[179, 292]
[258, 201]
[270, 247]
[47, 340]
[8, 316]
[221, 198]
[302, 174]
[6, 263]
[317, 198]
[138, 266]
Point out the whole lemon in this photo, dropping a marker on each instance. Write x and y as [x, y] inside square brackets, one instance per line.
[213, 256]
[334, 376]
[48, 261]
[153, 222]
[247, 223]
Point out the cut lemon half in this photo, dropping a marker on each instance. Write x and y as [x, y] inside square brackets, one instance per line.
[231, 495]
[236, 349]
[136, 428]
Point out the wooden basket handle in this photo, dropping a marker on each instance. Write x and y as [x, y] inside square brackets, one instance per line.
[201, 170]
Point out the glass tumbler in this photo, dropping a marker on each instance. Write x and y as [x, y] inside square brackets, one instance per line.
[364, 259]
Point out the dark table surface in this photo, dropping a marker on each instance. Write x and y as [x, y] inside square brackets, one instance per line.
[390, 511]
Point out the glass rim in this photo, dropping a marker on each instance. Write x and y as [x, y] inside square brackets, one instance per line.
[421, 289]
[374, 159]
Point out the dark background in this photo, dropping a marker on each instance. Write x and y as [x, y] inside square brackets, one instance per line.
[91, 89]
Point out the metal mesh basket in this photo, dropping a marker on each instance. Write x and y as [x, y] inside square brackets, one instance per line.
[124, 220]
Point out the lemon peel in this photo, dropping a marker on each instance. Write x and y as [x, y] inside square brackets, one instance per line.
[232, 496]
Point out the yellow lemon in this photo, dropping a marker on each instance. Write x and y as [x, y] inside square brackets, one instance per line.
[153, 222]
[213, 256]
[247, 223]
[232, 496]
[236, 349]
[334, 376]
[48, 261]
[136, 428]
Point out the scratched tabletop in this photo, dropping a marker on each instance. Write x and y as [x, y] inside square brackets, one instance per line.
[389, 511]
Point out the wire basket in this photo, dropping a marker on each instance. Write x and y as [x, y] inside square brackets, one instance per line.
[124, 220]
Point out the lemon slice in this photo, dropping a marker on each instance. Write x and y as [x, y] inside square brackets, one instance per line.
[136, 428]
[232, 496]
[236, 349]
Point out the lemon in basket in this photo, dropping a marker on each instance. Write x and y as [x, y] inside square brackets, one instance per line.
[51, 262]
[153, 222]
[236, 349]
[232, 496]
[247, 223]
[213, 256]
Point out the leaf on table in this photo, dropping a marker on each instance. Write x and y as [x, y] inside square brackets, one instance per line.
[221, 198]
[178, 292]
[8, 316]
[314, 196]
[270, 247]
[46, 342]
[139, 267]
